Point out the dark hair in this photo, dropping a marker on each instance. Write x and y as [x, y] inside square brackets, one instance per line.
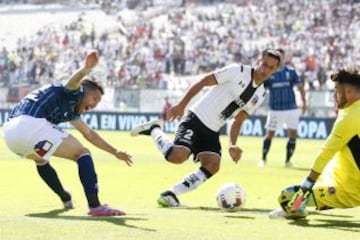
[89, 84]
[280, 50]
[346, 75]
[274, 53]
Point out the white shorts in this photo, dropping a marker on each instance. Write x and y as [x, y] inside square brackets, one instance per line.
[25, 135]
[286, 119]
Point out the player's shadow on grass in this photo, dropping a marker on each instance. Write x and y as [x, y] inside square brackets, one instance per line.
[237, 214]
[122, 221]
[254, 210]
[301, 169]
[339, 224]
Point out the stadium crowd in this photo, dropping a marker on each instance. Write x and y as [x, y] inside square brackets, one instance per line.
[152, 49]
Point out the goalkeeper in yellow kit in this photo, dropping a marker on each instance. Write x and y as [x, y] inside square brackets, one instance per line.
[334, 179]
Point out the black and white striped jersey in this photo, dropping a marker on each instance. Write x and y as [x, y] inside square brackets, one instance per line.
[234, 92]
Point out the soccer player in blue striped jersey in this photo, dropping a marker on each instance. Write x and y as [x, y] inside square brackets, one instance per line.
[32, 132]
[284, 112]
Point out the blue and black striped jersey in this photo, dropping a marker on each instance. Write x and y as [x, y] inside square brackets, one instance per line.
[281, 87]
[54, 102]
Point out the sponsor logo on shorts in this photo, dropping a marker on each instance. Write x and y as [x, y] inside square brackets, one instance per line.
[58, 128]
[42, 147]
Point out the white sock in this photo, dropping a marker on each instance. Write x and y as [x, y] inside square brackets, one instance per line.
[162, 142]
[190, 182]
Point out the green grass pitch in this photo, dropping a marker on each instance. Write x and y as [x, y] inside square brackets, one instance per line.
[29, 210]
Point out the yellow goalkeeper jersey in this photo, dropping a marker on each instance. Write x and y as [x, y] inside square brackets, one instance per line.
[339, 162]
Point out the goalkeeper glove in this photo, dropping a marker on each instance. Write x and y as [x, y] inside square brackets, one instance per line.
[301, 197]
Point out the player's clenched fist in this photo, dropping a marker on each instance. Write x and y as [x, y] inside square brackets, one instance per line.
[235, 153]
[92, 59]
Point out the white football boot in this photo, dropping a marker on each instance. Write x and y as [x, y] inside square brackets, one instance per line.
[280, 213]
[169, 199]
[145, 128]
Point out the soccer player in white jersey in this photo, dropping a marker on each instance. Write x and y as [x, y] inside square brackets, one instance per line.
[235, 92]
[334, 178]
[32, 132]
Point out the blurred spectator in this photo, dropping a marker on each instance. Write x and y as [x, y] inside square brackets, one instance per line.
[166, 107]
[191, 39]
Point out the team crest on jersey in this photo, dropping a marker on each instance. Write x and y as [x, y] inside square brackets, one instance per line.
[254, 100]
[42, 147]
[331, 190]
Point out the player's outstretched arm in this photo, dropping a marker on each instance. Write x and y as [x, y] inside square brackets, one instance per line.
[94, 138]
[91, 61]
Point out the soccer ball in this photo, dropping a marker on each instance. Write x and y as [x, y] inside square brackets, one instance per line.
[231, 197]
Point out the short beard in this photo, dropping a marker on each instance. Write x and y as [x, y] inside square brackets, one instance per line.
[77, 108]
[341, 104]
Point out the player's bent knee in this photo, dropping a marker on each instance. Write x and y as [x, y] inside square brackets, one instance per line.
[177, 157]
[212, 165]
[80, 152]
[38, 160]
[84, 151]
[213, 168]
[270, 134]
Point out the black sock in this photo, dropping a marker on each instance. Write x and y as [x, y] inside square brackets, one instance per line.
[206, 172]
[50, 177]
[290, 148]
[266, 147]
[88, 179]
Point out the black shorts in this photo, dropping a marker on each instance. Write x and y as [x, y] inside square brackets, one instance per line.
[193, 134]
